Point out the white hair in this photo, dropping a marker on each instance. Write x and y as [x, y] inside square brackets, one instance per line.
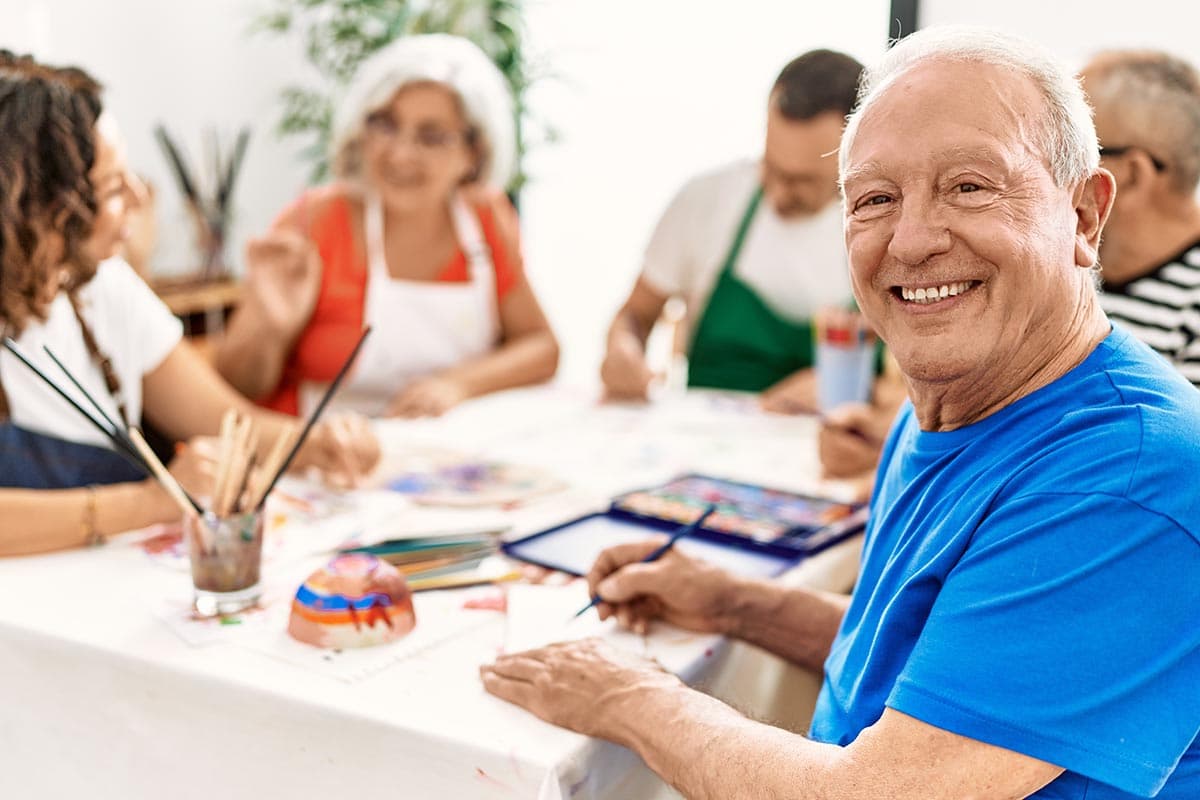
[1066, 135]
[450, 61]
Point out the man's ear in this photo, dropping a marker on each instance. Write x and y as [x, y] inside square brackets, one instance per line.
[1093, 200]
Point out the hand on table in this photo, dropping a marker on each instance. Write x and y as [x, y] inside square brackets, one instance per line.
[427, 397]
[283, 278]
[624, 371]
[583, 685]
[851, 439]
[677, 588]
[795, 394]
[343, 447]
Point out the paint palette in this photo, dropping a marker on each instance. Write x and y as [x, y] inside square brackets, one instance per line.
[465, 481]
[743, 509]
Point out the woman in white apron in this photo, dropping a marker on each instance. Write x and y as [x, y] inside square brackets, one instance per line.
[416, 242]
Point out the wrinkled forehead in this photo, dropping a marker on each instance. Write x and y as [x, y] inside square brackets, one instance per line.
[942, 106]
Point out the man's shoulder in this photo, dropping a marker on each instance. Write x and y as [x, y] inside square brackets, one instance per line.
[1125, 383]
[1130, 427]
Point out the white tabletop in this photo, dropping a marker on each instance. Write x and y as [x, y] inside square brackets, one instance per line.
[102, 696]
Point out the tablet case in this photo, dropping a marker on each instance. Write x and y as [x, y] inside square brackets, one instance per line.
[756, 531]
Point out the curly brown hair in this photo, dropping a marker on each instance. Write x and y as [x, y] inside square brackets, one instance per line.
[47, 204]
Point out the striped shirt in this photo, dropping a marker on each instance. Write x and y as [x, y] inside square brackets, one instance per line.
[1162, 309]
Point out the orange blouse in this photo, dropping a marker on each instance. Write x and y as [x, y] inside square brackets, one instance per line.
[337, 319]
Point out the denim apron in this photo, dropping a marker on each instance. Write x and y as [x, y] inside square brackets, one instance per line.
[32, 460]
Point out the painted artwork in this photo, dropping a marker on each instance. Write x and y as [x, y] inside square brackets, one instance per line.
[355, 600]
[449, 479]
[744, 509]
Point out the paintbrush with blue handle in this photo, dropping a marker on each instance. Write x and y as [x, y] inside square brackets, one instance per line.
[659, 552]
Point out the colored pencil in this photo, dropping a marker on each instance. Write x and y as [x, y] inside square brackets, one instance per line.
[471, 578]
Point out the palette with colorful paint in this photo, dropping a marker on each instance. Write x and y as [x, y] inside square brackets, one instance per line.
[743, 509]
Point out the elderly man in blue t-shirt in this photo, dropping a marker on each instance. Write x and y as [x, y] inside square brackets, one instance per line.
[1027, 622]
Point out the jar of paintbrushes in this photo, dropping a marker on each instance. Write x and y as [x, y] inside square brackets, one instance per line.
[225, 541]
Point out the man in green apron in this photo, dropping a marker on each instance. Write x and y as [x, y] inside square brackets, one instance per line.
[754, 249]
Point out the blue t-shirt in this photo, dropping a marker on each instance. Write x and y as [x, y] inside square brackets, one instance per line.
[1033, 581]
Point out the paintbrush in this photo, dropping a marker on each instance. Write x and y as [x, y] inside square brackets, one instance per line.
[229, 174]
[279, 451]
[118, 429]
[186, 504]
[658, 552]
[182, 176]
[123, 448]
[131, 446]
[224, 474]
[312, 419]
[120, 432]
[136, 444]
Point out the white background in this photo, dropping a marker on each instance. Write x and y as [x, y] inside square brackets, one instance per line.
[643, 92]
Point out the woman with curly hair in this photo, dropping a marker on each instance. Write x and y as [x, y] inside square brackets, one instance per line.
[65, 192]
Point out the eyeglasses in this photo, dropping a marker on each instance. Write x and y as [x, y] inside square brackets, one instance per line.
[1159, 164]
[424, 139]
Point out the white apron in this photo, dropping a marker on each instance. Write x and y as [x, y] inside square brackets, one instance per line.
[418, 327]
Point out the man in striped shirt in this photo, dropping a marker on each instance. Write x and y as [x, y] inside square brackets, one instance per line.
[1147, 106]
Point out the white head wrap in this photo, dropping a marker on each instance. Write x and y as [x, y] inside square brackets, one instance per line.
[439, 58]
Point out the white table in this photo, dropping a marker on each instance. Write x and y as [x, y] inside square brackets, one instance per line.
[101, 698]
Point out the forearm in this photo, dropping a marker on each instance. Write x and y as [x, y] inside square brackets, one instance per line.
[531, 358]
[796, 624]
[184, 397]
[251, 355]
[705, 749]
[44, 520]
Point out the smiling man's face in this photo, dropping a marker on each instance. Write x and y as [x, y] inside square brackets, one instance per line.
[962, 248]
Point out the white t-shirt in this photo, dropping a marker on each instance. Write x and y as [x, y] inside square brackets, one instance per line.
[132, 327]
[796, 266]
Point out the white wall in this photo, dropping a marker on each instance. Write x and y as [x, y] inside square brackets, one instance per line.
[1075, 29]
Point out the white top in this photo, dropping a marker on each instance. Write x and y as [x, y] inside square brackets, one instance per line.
[796, 266]
[132, 327]
[418, 328]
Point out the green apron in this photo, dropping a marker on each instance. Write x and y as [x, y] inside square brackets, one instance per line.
[740, 343]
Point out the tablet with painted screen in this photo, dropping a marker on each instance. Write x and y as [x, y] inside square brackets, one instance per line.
[574, 546]
[801, 522]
